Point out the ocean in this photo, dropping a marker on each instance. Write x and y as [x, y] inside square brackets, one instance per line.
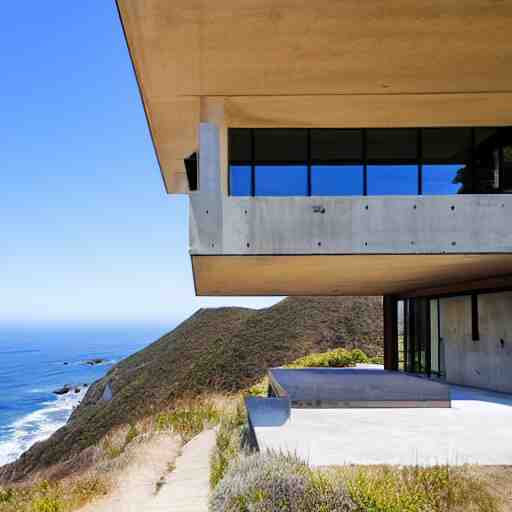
[34, 362]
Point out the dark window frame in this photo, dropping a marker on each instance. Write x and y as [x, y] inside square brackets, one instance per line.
[420, 161]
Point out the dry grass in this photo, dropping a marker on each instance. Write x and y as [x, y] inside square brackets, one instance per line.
[415, 489]
[63, 496]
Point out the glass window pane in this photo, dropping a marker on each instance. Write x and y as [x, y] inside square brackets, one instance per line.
[446, 145]
[281, 145]
[337, 180]
[392, 180]
[507, 168]
[392, 144]
[281, 180]
[452, 147]
[240, 180]
[240, 144]
[443, 179]
[486, 171]
[332, 144]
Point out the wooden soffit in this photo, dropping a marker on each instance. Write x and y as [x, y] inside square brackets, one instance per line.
[322, 63]
[371, 274]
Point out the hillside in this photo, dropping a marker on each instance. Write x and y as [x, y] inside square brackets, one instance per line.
[225, 349]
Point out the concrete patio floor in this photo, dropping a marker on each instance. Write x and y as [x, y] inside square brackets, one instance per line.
[477, 429]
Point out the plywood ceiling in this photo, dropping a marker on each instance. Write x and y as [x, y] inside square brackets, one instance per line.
[340, 274]
[311, 60]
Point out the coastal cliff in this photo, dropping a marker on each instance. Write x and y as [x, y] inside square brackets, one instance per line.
[216, 350]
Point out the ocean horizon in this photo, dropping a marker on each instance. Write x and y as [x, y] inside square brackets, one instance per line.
[35, 361]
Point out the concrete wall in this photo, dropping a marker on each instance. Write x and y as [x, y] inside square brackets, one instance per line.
[486, 363]
[360, 225]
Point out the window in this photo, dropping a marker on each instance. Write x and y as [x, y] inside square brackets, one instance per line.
[278, 145]
[402, 348]
[391, 180]
[447, 154]
[281, 180]
[337, 180]
[240, 180]
[392, 145]
[506, 163]
[240, 145]
[442, 179]
[336, 145]
[372, 161]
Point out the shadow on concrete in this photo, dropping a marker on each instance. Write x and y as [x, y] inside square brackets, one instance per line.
[267, 412]
[463, 393]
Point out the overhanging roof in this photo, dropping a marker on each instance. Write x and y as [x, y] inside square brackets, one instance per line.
[356, 274]
[323, 63]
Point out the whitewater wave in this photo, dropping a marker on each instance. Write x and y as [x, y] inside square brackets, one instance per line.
[37, 426]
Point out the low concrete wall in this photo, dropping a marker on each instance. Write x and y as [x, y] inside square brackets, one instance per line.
[486, 363]
[358, 388]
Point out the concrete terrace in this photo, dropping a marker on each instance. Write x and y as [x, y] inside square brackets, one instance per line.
[476, 429]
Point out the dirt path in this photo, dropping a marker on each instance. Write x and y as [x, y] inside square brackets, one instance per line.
[187, 487]
[162, 477]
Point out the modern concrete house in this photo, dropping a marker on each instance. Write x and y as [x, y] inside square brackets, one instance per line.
[345, 148]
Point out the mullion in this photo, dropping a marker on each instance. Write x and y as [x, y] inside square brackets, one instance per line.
[473, 161]
[420, 161]
[309, 160]
[365, 162]
[253, 166]
[501, 162]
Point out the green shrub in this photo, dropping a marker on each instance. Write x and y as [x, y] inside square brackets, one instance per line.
[415, 489]
[358, 356]
[259, 389]
[131, 434]
[46, 504]
[338, 358]
[273, 482]
[6, 495]
[46, 496]
[111, 450]
[189, 419]
[229, 443]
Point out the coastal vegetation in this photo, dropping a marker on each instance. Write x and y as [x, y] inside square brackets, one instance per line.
[216, 351]
[269, 482]
[195, 379]
[242, 479]
[48, 496]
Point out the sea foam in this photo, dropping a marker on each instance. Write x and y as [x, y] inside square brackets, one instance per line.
[37, 426]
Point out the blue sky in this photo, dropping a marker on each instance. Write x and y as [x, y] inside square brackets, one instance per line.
[87, 232]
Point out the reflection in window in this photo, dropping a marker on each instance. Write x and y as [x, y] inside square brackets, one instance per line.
[280, 145]
[392, 144]
[442, 179]
[507, 169]
[240, 145]
[331, 144]
[447, 154]
[391, 180]
[281, 180]
[240, 180]
[339, 161]
[337, 180]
